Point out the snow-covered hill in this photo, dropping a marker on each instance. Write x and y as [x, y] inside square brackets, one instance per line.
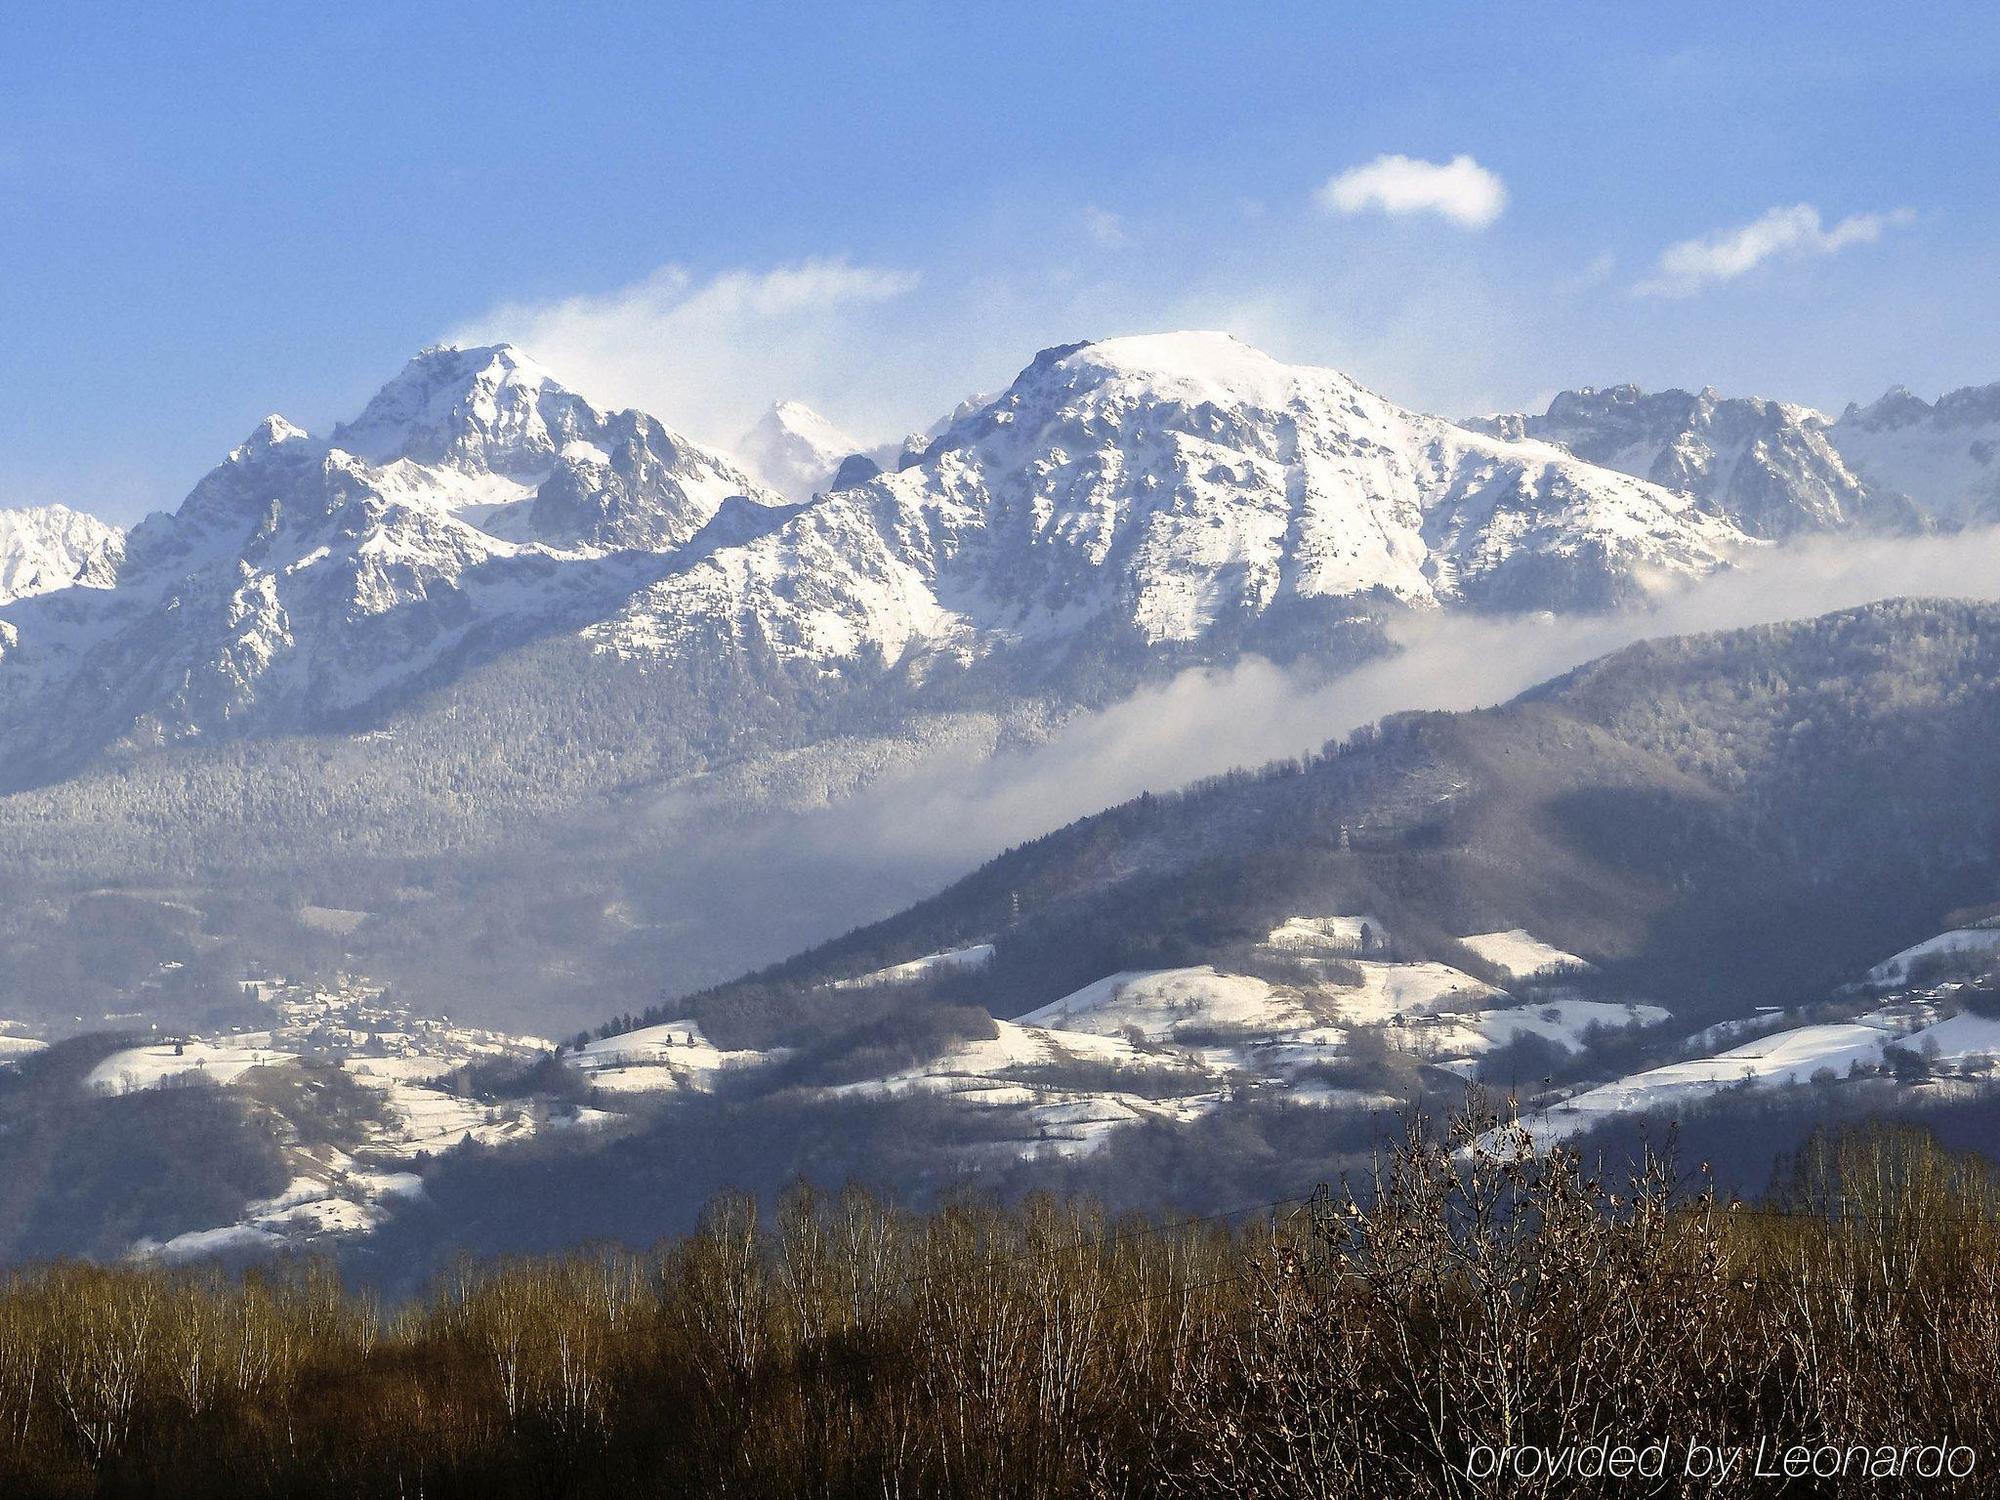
[1169, 1044]
[49, 547]
[1769, 467]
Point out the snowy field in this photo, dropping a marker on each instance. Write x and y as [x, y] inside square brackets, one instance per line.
[1785, 1057]
[978, 956]
[1976, 941]
[672, 1055]
[162, 1063]
[1520, 955]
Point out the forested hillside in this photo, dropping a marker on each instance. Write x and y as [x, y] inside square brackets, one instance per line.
[1717, 821]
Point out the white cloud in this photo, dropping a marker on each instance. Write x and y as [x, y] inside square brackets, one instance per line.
[1104, 228]
[705, 356]
[1460, 189]
[1794, 233]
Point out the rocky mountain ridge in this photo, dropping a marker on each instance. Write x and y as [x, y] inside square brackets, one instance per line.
[1171, 492]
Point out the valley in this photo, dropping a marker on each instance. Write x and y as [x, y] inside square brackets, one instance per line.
[498, 705]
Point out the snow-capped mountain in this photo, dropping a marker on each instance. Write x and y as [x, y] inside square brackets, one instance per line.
[490, 437]
[1171, 488]
[795, 450]
[474, 503]
[1165, 493]
[1770, 467]
[1944, 454]
[49, 547]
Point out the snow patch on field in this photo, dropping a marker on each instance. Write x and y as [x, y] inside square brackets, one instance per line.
[1521, 955]
[14, 1047]
[333, 919]
[1965, 940]
[1326, 937]
[670, 1056]
[152, 1066]
[1566, 1021]
[1020, 1067]
[1785, 1057]
[978, 956]
[1158, 1003]
[1458, 1040]
[1390, 992]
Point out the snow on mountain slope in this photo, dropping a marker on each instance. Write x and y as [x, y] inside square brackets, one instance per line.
[669, 1056]
[1390, 992]
[1160, 493]
[1568, 1022]
[1945, 455]
[14, 1047]
[1786, 1057]
[1327, 937]
[1020, 1069]
[1192, 1034]
[1769, 467]
[474, 503]
[347, 1174]
[482, 411]
[1158, 1004]
[49, 547]
[1161, 1005]
[1791, 1056]
[1971, 943]
[1181, 479]
[139, 1068]
[978, 956]
[491, 436]
[1170, 486]
[795, 450]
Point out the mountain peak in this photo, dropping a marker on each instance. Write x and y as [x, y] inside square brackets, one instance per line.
[1944, 454]
[1190, 365]
[794, 414]
[48, 547]
[794, 449]
[488, 407]
[272, 432]
[1896, 407]
[795, 418]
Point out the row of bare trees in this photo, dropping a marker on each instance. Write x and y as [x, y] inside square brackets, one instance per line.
[1452, 1326]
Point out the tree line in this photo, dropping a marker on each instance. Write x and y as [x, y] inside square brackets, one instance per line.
[1465, 1299]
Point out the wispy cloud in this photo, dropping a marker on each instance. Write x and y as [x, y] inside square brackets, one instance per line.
[961, 806]
[1794, 233]
[1105, 228]
[705, 355]
[1459, 190]
[922, 822]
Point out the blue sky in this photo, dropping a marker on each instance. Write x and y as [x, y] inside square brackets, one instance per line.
[209, 212]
